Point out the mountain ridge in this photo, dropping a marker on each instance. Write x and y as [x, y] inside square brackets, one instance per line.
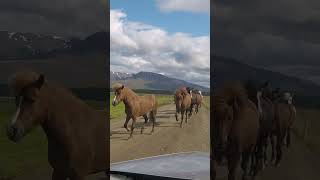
[152, 81]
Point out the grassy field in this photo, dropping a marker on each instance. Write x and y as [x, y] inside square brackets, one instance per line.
[30, 154]
[313, 134]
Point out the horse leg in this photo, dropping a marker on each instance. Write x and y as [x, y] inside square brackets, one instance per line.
[126, 123]
[56, 175]
[197, 109]
[279, 149]
[190, 112]
[265, 155]
[233, 161]
[132, 126]
[153, 118]
[145, 118]
[176, 115]
[187, 116]
[145, 122]
[288, 139]
[244, 164]
[272, 140]
[182, 113]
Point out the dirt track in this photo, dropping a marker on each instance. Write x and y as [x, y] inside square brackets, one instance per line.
[298, 163]
[167, 138]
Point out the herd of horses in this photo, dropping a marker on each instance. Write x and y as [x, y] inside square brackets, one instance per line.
[247, 118]
[185, 98]
[77, 134]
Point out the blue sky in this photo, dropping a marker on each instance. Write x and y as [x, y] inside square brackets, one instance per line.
[170, 37]
[147, 11]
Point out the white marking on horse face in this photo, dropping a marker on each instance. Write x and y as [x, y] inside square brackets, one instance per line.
[16, 115]
[115, 98]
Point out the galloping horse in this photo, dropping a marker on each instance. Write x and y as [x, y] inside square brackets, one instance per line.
[135, 106]
[77, 134]
[235, 127]
[182, 99]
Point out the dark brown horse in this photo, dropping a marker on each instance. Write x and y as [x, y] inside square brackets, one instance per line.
[135, 106]
[260, 95]
[77, 134]
[235, 127]
[182, 99]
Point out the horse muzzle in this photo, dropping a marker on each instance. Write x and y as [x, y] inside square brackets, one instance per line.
[14, 133]
[114, 103]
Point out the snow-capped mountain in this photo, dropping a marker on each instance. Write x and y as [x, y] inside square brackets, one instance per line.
[17, 45]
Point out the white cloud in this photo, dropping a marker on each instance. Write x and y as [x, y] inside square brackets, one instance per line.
[136, 47]
[196, 6]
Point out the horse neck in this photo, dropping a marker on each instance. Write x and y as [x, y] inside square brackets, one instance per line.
[129, 96]
[53, 125]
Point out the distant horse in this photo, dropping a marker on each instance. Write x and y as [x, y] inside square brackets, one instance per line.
[77, 134]
[285, 114]
[135, 106]
[182, 99]
[235, 127]
[196, 101]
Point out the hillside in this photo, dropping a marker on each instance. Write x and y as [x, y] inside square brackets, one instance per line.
[153, 81]
[225, 69]
[73, 62]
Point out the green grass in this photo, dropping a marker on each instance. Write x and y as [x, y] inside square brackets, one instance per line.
[118, 111]
[206, 102]
[29, 155]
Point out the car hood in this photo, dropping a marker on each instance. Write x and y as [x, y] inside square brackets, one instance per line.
[187, 165]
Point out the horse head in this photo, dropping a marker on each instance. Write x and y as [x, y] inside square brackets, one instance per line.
[31, 105]
[119, 94]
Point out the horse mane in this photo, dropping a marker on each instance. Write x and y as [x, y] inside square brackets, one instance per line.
[22, 79]
[129, 92]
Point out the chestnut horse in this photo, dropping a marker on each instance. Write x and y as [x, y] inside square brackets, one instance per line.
[285, 114]
[135, 106]
[235, 127]
[182, 99]
[196, 101]
[77, 134]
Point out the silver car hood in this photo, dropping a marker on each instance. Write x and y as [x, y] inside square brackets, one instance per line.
[186, 165]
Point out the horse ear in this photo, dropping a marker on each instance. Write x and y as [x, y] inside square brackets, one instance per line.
[40, 81]
[122, 86]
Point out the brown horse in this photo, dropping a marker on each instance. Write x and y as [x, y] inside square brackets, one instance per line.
[182, 99]
[260, 95]
[135, 106]
[77, 134]
[196, 101]
[235, 127]
[285, 114]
